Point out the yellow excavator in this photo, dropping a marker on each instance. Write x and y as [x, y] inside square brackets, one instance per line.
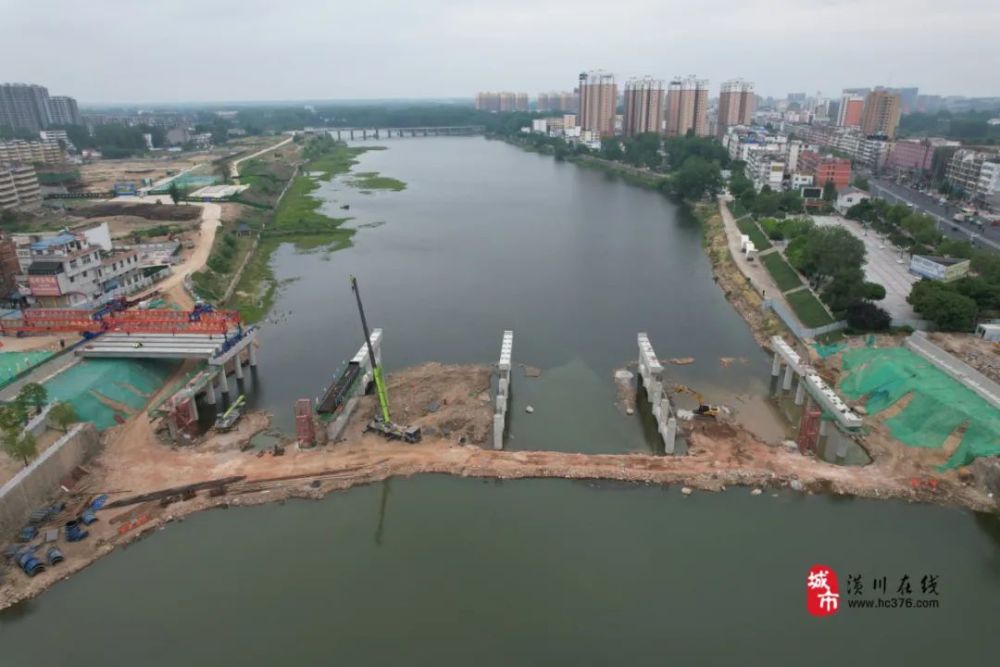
[704, 409]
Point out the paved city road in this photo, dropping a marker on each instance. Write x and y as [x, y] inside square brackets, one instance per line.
[988, 237]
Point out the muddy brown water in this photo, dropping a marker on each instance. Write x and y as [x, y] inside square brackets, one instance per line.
[446, 571]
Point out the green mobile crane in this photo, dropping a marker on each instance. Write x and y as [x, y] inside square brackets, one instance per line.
[382, 424]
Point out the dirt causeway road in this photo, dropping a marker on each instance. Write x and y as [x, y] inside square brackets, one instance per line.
[457, 430]
[234, 168]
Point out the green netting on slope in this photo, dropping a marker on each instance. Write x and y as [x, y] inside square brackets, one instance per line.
[12, 363]
[129, 382]
[939, 404]
[825, 351]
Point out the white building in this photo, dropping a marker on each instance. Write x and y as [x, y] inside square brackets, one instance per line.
[974, 173]
[800, 180]
[64, 270]
[765, 168]
[849, 197]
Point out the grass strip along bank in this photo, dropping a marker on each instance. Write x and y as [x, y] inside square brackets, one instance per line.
[750, 228]
[808, 308]
[297, 218]
[783, 274]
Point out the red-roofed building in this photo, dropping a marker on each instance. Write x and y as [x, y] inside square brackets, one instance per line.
[826, 168]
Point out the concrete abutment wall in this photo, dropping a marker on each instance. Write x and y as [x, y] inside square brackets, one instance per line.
[33, 486]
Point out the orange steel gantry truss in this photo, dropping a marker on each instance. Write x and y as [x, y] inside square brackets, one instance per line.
[69, 320]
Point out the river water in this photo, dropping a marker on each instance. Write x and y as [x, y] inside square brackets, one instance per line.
[487, 237]
[446, 571]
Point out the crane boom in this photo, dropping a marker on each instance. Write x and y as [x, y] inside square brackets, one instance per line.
[383, 397]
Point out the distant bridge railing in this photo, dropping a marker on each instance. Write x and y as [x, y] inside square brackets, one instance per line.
[355, 133]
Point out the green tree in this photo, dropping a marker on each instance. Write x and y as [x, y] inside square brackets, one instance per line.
[866, 316]
[829, 191]
[18, 443]
[696, 178]
[62, 415]
[611, 148]
[847, 286]
[944, 305]
[12, 416]
[874, 291]
[825, 252]
[174, 192]
[861, 183]
[34, 395]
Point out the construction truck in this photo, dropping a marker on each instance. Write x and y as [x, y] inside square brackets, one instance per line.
[382, 424]
[704, 409]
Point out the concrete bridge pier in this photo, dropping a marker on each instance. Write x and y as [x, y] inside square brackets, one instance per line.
[786, 383]
[210, 392]
[651, 371]
[503, 389]
[223, 381]
[776, 365]
[800, 392]
[238, 367]
[253, 356]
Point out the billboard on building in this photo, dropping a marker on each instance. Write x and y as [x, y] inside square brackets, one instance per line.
[44, 285]
[944, 269]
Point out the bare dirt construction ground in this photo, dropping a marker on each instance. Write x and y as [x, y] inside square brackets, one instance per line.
[10, 467]
[973, 350]
[103, 174]
[452, 405]
[33, 343]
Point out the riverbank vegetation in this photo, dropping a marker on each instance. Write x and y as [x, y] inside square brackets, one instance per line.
[371, 180]
[738, 289]
[279, 207]
[689, 168]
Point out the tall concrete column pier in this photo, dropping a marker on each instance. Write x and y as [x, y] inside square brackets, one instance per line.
[776, 365]
[651, 371]
[800, 391]
[503, 389]
[223, 381]
[786, 384]
[238, 367]
[253, 355]
[210, 392]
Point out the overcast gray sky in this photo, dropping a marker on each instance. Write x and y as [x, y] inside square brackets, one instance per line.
[207, 50]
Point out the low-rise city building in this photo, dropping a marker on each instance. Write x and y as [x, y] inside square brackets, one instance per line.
[35, 152]
[849, 197]
[826, 169]
[19, 186]
[916, 155]
[945, 269]
[973, 173]
[65, 269]
[765, 168]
